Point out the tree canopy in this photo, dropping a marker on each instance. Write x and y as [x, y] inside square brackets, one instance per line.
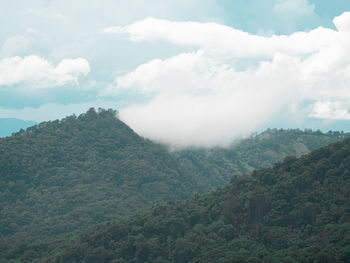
[61, 177]
[296, 211]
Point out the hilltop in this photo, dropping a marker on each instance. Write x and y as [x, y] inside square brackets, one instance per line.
[61, 176]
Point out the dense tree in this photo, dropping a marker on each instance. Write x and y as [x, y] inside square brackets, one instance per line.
[301, 213]
[65, 175]
[60, 177]
[214, 167]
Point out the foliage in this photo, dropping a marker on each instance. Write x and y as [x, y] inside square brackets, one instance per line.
[62, 176]
[214, 167]
[296, 211]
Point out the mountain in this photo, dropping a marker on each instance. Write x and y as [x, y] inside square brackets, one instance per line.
[296, 211]
[62, 176]
[58, 178]
[11, 125]
[214, 167]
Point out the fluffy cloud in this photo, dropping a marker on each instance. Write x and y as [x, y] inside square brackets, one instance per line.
[234, 82]
[225, 40]
[342, 22]
[34, 72]
[205, 103]
[330, 111]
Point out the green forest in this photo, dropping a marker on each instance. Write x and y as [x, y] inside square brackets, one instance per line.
[59, 179]
[214, 167]
[63, 176]
[296, 211]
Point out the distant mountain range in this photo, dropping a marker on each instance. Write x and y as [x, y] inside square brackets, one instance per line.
[215, 167]
[11, 125]
[58, 178]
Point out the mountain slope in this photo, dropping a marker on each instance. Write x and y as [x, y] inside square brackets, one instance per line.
[62, 176]
[214, 167]
[59, 177]
[296, 211]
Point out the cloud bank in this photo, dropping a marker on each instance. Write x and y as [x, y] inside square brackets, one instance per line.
[33, 72]
[233, 82]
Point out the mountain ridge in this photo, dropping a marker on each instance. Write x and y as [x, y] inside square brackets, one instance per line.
[216, 166]
[296, 211]
[60, 177]
[88, 168]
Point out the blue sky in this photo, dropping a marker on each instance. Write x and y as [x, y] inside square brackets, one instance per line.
[185, 72]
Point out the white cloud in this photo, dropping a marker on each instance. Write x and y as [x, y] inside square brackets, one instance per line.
[14, 45]
[330, 110]
[183, 120]
[150, 77]
[34, 72]
[206, 103]
[206, 97]
[342, 22]
[222, 39]
[69, 69]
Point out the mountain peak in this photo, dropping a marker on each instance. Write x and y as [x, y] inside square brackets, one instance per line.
[95, 162]
[89, 126]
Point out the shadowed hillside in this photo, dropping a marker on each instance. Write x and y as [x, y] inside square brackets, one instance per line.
[61, 176]
[214, 167]
[296, 211]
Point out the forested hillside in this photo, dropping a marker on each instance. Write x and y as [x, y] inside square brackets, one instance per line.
[296, 211]
[62, 176]
[214, 167]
